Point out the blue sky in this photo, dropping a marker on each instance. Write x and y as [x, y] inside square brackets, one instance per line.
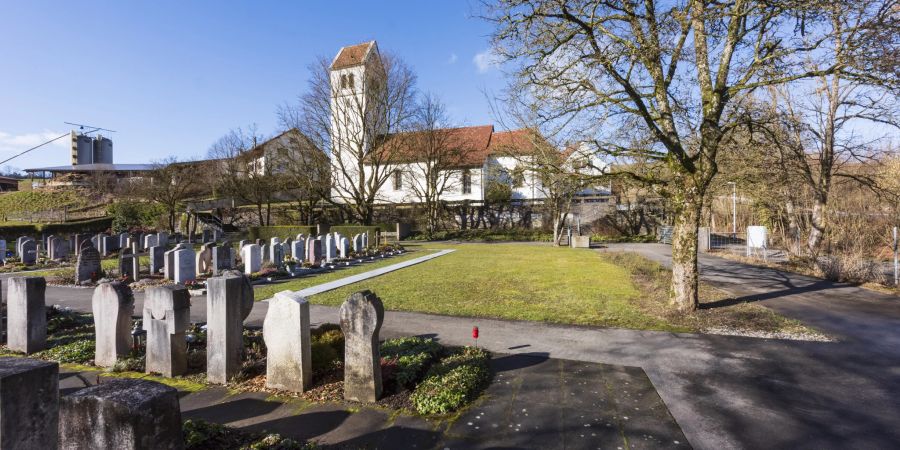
[171, 77]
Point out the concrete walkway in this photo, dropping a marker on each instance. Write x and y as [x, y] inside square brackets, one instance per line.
[724, 392]
[331, 285]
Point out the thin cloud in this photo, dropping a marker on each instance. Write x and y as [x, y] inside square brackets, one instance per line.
[10, 142]
[485, 60]
[452, 59]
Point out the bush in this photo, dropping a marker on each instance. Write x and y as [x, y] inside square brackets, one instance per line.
[487, 235]
[351, 230]
[279, 231]
[200, 434]
[409, 357]
[453, 382]
[327, 347]
[78, 352]
[127, 215]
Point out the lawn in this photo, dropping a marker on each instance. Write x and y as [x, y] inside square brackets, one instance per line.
[512, 281]
[269, 290]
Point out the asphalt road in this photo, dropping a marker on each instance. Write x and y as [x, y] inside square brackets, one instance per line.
[724, 392]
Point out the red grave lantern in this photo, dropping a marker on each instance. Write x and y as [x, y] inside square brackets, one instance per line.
[475, 335]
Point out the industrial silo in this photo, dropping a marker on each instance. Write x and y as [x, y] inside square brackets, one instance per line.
[82, 149]
[103, 150]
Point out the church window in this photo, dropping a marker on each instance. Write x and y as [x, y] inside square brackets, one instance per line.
[398, 180]
[466, 182]
[344, 81]
[351, 81]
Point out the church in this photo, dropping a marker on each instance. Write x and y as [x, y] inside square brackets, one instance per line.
[481, 154]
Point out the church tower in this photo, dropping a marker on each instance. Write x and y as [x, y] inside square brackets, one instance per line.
[356, 75]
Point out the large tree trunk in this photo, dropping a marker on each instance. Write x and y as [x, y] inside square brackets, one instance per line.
[817, 227]
[684, 287]
[793, 231]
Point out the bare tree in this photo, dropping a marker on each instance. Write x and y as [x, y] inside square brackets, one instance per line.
[244, 172]
[304, 171]
[434, 157]
[351, 123]
[170, 184]
[676, 73]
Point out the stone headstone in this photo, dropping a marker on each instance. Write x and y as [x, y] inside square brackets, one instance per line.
[121, 413]
[151, 240]
[123, 240]
[87, 267]
[77, 240]
[110, 244]
[264, 254]
[97, 240]
[361, 317]
[162, 239]
[167, 314]
[26, 314]
[157, 258]
[277, 254]
[286, 332]
[260, 242]
[2, 251]
[299, 250]
[204, 258]
[365, 240]
[314, 251]
[242, 243]
[29, 253]
[222, 258]
[169, 261]
[309, 251]
[357, 243]
[288, 248]
[29, 403]
[19, 241]
[185, 269]
[128, 264]
[330, 247]
[229, 300]
[113, 306]
[251, 257]
[344, 248]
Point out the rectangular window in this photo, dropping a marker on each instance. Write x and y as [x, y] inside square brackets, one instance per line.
[466, 182]
[398, 180]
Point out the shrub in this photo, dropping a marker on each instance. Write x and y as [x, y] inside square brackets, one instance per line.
[487, 235]
[453, 381]
[78, 352]
[409, 357]
[127, 215]
[279, 231]
[327, 347]
[200, 434]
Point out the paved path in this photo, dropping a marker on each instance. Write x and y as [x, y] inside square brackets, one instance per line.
[534, 402]
[724, 392]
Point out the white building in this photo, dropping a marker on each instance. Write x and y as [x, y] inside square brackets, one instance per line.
[485, 155]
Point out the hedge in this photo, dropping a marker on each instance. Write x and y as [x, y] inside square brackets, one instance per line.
[352, 230]
[98, 225]
[279, 231]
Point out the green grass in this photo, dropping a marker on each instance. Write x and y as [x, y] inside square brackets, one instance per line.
[27, 201]
[513, 281]
[268, 291]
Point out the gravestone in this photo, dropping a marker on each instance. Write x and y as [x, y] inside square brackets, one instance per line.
[113, 306]
[288, 248]
[286, 332]
[19, 241]
[357, 243]
[207, 236]
[29, 253]
[330, 247]
[162, 239]
[344, 248]
[139, 240]
[157, 258]
[309, 249]
[204, 258]
[277, 254]
[29, 403]
[251, 256]
[77, 239]
[110, 244]
[229, 300]
[361, 317]
[223, 258]
[185, 270]
[169, 261]
[365, 240]
[121, 413]
[2, 251]
[299, 250]
[128, 264]
[87, 267]
[167, 314]
[123, 240]
[97, 240]
[314, 252]
[151, 240]
[264, 255]
[26, 314]
[242, 243]
[48, 245]
[260, 242]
